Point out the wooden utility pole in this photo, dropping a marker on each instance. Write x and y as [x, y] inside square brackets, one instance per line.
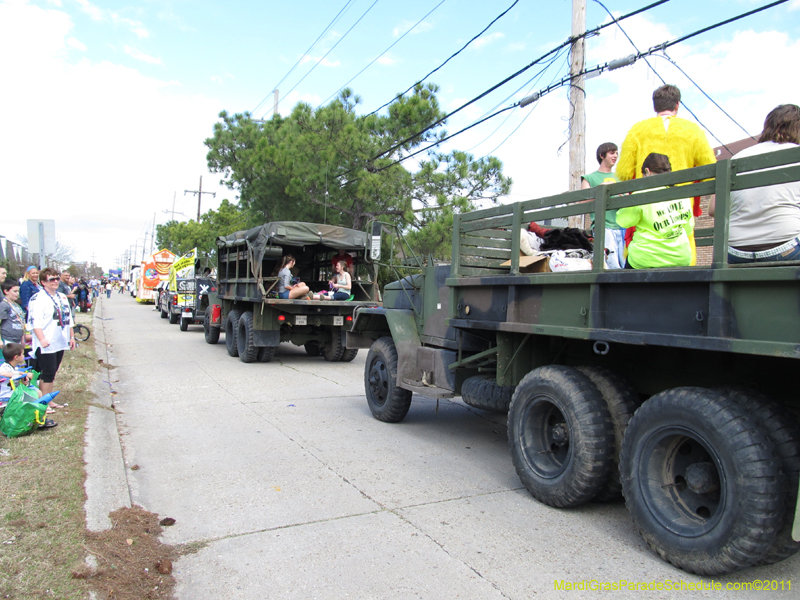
[199, 193]
[577, 98]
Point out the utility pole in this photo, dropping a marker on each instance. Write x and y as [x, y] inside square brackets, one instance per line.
[577, 98]
[153, 239]
[199, 193]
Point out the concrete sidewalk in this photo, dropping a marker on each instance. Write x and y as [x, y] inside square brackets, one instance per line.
[297, 492]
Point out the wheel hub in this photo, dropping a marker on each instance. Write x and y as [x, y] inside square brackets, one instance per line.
[379, 382]
[702, 478]
[560, 434]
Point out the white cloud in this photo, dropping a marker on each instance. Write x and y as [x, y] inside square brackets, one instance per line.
[487, 39]
[93, 11]
[118, 144]
[516, 46]
[139, 55]
[54, 2]
[75, 43]
[321, 60]
[385, 60]
[141, 32]
[404, 26]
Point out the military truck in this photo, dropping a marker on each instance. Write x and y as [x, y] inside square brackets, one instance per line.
[255, 320]
[675, 387]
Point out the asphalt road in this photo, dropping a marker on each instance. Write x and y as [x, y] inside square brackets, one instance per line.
[297, 492]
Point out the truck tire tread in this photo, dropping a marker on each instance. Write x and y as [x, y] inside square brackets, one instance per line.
[484, 393]
[231, 327]
[550, 405]
[248, 351]
[681, 428]
[387, 402]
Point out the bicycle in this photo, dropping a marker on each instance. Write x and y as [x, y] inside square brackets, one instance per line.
[81, 332]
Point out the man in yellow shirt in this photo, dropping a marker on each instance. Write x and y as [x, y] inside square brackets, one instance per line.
[682, 141]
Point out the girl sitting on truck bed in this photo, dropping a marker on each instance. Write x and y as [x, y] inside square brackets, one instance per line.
[287, 291]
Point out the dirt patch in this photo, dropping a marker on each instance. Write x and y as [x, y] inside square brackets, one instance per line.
[130, 561]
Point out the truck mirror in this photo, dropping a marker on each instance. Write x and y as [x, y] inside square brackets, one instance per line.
[375, 250]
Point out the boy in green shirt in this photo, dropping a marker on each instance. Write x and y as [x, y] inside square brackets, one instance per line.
[607, 154]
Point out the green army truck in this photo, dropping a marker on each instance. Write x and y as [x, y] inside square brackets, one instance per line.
[674, 387]
[255, 320]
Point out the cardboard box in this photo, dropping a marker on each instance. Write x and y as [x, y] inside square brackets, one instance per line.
[537, 263]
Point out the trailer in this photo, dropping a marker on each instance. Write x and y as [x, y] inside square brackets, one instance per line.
[673, 387]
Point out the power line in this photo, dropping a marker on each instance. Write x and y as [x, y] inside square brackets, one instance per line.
[594, 71]
[513, 76]
[331, 50]
[411, 87]
[384, 52]
[324, 31]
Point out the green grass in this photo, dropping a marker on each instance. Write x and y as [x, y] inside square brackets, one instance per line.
[42, 523]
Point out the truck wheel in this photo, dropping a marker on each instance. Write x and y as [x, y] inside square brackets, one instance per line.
[231, 327]
[484, 393]
[185, 324]
[266, 354]
[783, 430]
[248, 351]
[211, 333]
[312, 348]
[332, 351]
[560, 436]
[387, 402]
[164, 314]
[173, 318]
[621, 401]
[701, 481]
[349, 354]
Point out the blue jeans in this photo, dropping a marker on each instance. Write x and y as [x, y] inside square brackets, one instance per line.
[340, 295]
[615, 243]
[283, 295]
[790, 254]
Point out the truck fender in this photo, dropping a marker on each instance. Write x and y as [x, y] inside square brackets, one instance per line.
[370, 324]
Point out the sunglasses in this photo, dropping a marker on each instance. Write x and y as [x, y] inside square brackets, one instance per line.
[52, 279]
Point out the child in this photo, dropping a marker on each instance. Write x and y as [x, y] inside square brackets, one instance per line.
[14, 355]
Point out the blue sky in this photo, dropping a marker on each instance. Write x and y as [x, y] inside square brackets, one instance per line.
[107, 104]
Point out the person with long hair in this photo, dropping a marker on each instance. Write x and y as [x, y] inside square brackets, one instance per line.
[765, 221]
[51, 320]
[663, 229]
[286, 289]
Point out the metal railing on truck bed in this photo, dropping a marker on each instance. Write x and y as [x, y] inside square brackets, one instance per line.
[751, 308]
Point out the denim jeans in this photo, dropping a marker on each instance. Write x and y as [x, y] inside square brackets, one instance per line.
[615, 244]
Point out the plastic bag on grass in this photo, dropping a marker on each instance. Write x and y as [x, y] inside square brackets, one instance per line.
[23, 413]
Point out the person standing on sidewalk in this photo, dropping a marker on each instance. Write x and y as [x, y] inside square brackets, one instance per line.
[108, 289]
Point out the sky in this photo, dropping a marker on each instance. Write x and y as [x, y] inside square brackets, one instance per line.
[106, 104]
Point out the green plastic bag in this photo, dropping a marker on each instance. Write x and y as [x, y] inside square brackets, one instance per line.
[23, 413]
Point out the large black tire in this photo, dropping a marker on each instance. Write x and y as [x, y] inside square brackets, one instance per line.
[702, 481]
[783, 430]
[333, 349]
[266, 353]
[484, 393]
[173, 318]
[164, 314]
[231, 328]
[184, 325]
[211, 333]
[312, 348]
[622, 401]
[248, 351]
[387, 402]
[560, 436]
[349, 354]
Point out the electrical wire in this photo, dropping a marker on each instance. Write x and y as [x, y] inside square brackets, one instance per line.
[664, 55]
[302, 56]
[657, 74]
[382, 53]
[567, 79]
[329, 51]
[452, 56]
[569, 42]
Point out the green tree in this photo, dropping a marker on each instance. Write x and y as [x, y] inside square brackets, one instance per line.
[319, 165]
[180, 237]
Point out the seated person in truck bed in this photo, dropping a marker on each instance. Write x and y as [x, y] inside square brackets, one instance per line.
[341, 283]
[662, 231]
[765, 221]
[287, 291]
